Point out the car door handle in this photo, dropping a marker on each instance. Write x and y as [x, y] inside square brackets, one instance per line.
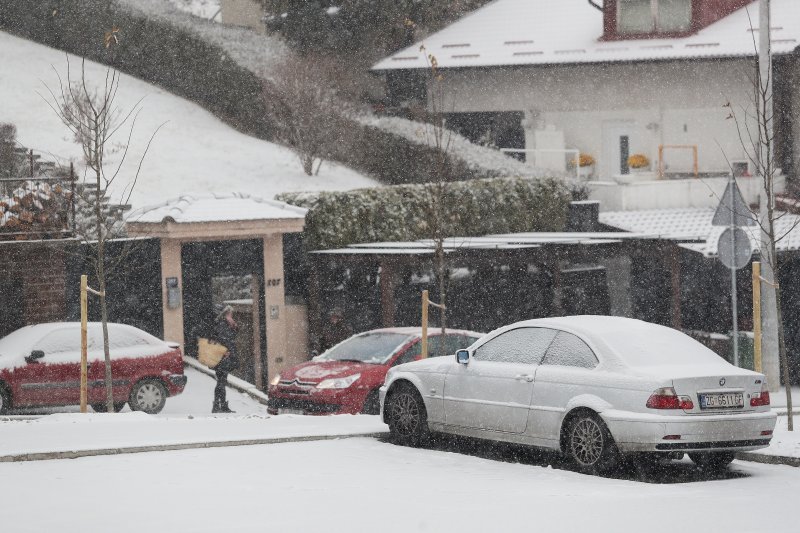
[524, 377]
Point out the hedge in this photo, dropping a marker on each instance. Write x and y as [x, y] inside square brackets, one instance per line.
[478, 207]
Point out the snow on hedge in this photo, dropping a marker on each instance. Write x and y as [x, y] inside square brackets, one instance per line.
[258, 53]
[199, 8]
[476, 157]
[398, 213]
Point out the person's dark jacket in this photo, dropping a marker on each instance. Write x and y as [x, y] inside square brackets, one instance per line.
[226, 336]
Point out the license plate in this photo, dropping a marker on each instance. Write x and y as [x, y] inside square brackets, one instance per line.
[723, 400]
[290, 412]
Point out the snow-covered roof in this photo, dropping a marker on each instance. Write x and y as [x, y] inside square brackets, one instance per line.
[546, 32]
[216, 208]
[694, 224]
[510, 241]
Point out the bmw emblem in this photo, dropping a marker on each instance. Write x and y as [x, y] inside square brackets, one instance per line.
[722, 382]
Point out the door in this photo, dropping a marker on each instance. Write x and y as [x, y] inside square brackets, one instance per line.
[567, 370]
[617, 138]
[493, 391]
[55, 378]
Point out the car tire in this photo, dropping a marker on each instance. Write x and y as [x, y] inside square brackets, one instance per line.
[149, 396]
[5, 399]
[712, 461]
[591, 446]
[101, 407]
[406, 416]
[372, 405]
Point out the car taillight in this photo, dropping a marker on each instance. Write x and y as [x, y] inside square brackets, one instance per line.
[757, 400]
[666, 398]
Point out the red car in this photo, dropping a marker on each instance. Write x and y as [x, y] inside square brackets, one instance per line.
[346, 378]
[40, 366]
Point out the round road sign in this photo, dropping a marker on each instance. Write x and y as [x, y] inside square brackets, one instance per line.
[739, 242]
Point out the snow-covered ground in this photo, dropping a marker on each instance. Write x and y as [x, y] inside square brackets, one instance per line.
[199, 8]
[196, 399]
[364, 485]
[194, 151]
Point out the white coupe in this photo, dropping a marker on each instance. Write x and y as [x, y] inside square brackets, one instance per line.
[593, 387]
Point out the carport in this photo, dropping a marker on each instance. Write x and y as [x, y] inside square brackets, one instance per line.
[203, 235]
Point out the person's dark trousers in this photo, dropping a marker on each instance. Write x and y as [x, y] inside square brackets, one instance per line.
[219, 390]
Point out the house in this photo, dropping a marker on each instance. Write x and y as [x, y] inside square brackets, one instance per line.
[648, 77]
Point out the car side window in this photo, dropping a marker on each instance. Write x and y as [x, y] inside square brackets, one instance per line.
[453, 343]
[521, 345]
[411, 354]
[60, 341]
[569, 350]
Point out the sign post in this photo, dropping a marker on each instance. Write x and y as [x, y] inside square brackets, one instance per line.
[84, 344]
[756, 316]
[733, 247]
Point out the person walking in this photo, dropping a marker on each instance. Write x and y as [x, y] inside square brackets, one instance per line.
[225, 329]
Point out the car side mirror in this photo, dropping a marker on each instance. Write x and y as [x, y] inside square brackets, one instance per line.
[36, 354]
[462, 357]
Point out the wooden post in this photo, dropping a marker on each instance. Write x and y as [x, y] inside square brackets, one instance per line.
[84, 320]
[756, 316]
[424, 354]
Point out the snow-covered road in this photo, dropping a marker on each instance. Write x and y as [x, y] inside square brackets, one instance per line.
[364, 484]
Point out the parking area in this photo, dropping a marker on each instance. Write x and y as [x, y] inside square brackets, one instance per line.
[367, 484]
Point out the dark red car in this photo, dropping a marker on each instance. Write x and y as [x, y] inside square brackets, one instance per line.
[346, 378]
[40, 366]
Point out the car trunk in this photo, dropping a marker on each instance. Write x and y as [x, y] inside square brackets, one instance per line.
[719, 393]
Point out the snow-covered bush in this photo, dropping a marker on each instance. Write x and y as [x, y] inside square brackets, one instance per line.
[479, 207]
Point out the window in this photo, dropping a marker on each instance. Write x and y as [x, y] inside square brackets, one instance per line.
[569, 350]
[455, 343]
[521, 345]
[648, 16]
[60, 341]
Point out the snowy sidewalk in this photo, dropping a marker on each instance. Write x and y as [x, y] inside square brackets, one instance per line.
[68, 435]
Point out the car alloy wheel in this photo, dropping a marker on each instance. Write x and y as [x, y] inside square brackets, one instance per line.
[405, 414]
[148, 396]
[587, 442]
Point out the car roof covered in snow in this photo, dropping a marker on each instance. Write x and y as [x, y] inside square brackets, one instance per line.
[638, 347]
[551, 32]
[417, 331]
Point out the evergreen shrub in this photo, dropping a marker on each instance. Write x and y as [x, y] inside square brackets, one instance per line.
[397, 213]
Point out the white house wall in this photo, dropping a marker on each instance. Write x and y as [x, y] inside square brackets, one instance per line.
[666, 102]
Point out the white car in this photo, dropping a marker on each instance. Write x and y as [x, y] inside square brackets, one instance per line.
[593, 387]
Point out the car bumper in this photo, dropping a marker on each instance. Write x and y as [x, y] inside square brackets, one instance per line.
[326, 402]
[635, 432]
[176, 383]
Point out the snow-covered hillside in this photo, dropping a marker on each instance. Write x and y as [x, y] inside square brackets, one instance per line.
[193, 152]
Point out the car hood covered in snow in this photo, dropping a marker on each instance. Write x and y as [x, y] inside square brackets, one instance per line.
[316, 371]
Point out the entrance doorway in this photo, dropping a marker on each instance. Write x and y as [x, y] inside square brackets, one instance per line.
[226, 273]
[617, 137]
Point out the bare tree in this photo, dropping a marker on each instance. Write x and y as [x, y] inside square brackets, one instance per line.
[437, 189]
[93, 116]
[304, 100]
[758, 143]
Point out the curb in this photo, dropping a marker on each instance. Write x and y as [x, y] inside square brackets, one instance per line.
[234, 382]
[75, 454]
[768, 459]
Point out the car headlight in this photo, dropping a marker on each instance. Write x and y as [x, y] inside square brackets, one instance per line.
[338, 383]
[274, 382]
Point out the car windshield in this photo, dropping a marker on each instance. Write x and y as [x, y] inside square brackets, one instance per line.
[373, 348]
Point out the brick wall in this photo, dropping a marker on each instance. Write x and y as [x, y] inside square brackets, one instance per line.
[40, 268]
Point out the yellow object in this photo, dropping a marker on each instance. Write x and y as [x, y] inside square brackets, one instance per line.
[757, 316]
[210, 353]
[638, 161]
[583, 160]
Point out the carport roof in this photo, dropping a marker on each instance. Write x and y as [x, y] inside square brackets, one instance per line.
[694, 224]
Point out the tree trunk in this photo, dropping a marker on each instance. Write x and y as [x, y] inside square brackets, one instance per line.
[101, 280]
[308, 165]
[784, 358]
[442, 275]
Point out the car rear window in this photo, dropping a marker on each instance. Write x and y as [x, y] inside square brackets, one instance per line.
[375, 348]
[659, 345]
